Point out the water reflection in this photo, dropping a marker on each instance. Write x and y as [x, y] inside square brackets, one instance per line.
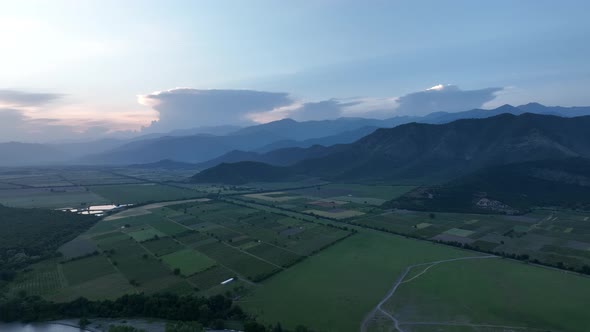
[97, 210]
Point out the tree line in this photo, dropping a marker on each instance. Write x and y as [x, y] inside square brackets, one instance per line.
[187, 311]
[31, 235]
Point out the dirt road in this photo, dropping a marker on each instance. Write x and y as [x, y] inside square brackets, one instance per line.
[399, 281]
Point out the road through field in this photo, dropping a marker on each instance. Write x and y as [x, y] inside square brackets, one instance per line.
[399, 281]
[144, 209]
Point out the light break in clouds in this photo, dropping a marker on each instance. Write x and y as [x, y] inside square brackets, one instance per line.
[41, 117]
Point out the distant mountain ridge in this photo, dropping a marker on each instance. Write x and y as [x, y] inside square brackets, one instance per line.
[204, 144]
[438, 152]
[280, 157]
[426, 153]
[267, 155]
[17, 154]
[249, 171]
[511, 188]
[166, 164]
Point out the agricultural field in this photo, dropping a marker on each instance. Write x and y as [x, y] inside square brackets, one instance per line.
[277, 196]
[62, 197]
[43, 278]
[338, 288]
[330, 253]
[155, 175]
[77, 248]
[184, 248]
[516, 295]
[333, 201]
[335, 213]
[163, 246]
[73, 187]
[188, 261]
[145, 233]
[356, 193]
[548, 236]
[145, 192]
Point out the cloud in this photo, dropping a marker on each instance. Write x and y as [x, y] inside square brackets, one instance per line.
[439, 98]
[28, 116]
[42, 117]
[183, 108]
[325, 109]
[13, 98]
[321, 110]
[15, 125]
[371, 107]
[443, 98]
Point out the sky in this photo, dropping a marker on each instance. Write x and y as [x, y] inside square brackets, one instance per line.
[91, 69]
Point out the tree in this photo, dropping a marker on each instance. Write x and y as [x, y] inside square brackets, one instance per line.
[176, 271]
[254, 327]
[184, 327]
[124, 328]
[83, 322]
[218, 324]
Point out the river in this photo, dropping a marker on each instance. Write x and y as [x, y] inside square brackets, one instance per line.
[37, 327]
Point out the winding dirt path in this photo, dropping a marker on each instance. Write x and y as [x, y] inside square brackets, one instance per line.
[399, 281]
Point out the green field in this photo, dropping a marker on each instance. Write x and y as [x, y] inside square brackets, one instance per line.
[43, 278]
[337, 287]
[162, 246]
[357, 191]
[168, 227]
[46, 198]
[110, 286]
[249, 266]
[85, 269]
[495, 292]
[459, 232]
[141, 193]
[141, 253]
[188, 261]
[339, 214]
[295, 268]
[211, 277]
[146, 234]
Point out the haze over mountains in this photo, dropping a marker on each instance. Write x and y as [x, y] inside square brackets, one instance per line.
[214, 145]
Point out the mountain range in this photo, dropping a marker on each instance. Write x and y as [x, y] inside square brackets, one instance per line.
[291, 156]
[426, 153]
[511, 188]
[216, 145]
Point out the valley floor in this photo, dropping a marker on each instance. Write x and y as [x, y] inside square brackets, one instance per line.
[325, 257]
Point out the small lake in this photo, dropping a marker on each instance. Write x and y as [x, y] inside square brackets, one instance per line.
[37, 327]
